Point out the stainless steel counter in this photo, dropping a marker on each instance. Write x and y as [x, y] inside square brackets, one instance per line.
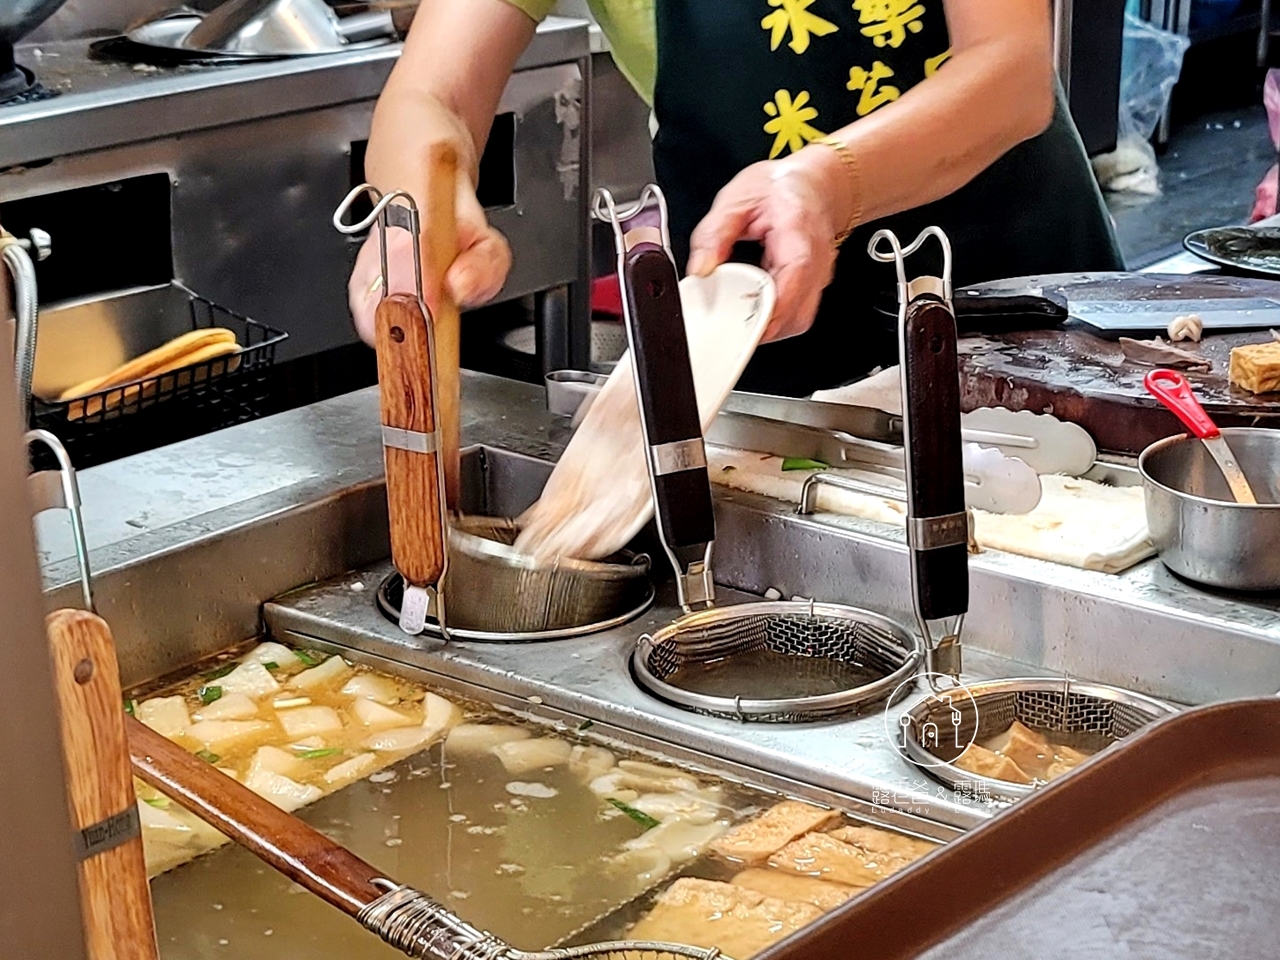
[1143, 628]
[191, 541]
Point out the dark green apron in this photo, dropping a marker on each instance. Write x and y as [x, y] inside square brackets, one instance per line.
[745, 80]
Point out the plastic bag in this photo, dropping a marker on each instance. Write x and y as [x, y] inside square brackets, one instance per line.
[1149, 68]
[1264, 197]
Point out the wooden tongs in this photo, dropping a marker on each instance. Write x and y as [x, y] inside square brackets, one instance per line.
[418, 381]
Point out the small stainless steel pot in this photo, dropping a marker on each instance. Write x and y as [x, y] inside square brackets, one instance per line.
[1199, 531]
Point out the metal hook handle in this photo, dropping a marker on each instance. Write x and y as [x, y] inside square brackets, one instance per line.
[605, 209]
[898, 256]
[66, 496]
[394, 209]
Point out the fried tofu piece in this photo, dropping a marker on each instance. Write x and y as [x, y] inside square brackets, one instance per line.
[706, 913]
[756, 840]
[823, 856]
[794, 888]
[1030, 750]
[1064, 759]
[1256, 367]
[885, 843]
[984, 763]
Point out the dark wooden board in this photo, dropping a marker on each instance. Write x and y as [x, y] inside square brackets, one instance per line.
[1081, 377]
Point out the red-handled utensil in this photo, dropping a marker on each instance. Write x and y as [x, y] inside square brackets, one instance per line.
[1172, 389]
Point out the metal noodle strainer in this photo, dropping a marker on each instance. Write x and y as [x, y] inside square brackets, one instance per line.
[780, 661]
[941, 726]
[1085, 716]
[502, 595]
[492, 591]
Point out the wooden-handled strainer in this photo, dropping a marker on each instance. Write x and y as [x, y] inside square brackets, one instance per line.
[413, 418]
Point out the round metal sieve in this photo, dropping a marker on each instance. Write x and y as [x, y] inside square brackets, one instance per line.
[1077, 714]
[494, 593]
[828, 632]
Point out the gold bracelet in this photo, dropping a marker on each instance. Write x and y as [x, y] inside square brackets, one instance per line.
[850, 161]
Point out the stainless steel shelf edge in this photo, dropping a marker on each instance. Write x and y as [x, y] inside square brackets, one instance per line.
[107, 104]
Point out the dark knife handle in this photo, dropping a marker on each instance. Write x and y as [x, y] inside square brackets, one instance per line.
[978, 311]
[937, 525]
[996, 312]
[668, 402]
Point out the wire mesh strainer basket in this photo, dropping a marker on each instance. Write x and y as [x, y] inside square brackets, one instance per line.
[796, 660]
[1085, 716]
[498, 594]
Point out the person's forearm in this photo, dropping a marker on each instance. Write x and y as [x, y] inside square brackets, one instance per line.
[461, 53]
[990, 96]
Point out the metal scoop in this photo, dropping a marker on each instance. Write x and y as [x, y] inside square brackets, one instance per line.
[284, 28]
[1171, 389]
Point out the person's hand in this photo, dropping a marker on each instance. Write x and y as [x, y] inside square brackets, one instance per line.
[795, 207]
[406, 125]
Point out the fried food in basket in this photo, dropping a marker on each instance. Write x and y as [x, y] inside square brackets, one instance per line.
[198, 346]
[1020, 755]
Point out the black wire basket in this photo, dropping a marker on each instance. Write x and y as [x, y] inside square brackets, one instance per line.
[178, 404]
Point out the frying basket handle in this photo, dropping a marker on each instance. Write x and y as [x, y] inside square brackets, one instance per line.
[675, 455]
[411, 443]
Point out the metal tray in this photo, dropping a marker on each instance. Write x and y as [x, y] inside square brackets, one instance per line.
[1166, 846]
[86, 338]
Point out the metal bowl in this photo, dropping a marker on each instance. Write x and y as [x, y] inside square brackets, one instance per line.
[1200, 532]
[1084, 715]
[491, 592]
[830, 631]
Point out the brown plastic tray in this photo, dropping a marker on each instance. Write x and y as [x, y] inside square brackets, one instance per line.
[1167, 846]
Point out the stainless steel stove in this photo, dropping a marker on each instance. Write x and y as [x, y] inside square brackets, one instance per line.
[224, 178]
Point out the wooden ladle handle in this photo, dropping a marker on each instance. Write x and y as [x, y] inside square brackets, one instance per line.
[409, 428]
[440, 233]
[115, 899]
[300, 852]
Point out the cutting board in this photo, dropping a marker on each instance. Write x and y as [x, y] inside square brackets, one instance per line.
[1077, 375]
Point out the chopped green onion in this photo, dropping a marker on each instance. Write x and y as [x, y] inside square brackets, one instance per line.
[639, 816]
[209, 693]
[208, 756]
[803, 463]
[160, 803]
[309, 658]
[271, 665]
[317, 754]
[586, 725]
[221, 672]
[131, 707]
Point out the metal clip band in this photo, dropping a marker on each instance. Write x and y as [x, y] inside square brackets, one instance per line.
[107, 834]
[677, 456]
[412, 440]
[933, 533]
